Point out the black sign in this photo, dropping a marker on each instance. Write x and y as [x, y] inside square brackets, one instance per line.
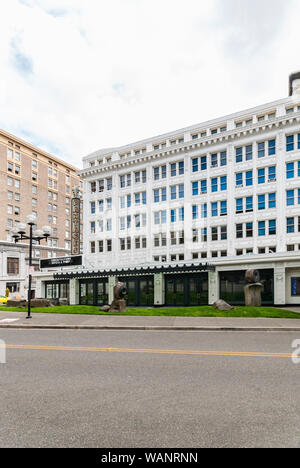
[61, 262]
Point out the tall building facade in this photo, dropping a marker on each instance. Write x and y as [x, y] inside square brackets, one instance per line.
[33, 181]
[225, 192]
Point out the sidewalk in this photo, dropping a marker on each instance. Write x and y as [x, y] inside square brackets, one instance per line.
[121, 322]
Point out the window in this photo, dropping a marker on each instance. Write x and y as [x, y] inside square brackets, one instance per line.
[239, 205]
[261, 150]
[239, 231]
[290, 225]
[223, 208]
[261, 176]
[239, 179]
[238, 155]
[12, 266]
[272, 173]
[249, 204]
[214, 184]
[272, 227]
[261, 202]
[223, 232]
[290, 143]
[249, 152]
[290, 170]
[261, 228]
[272, 200]
[214, 209]
[249, 229]
[249, 178]
[290, 197]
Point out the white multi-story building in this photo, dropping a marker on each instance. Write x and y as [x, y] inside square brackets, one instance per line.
[225, 192]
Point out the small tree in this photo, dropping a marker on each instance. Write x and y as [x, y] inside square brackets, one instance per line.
[7, 292]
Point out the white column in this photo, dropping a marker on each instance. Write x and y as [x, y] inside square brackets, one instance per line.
[159, 289]
[112, 281]
[74, 291]
[213, 287]
[279, 285]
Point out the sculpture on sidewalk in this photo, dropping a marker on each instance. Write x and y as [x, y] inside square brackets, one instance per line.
[253, 289]
[118, 305]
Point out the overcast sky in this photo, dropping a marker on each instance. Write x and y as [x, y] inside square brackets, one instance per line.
[77, 76]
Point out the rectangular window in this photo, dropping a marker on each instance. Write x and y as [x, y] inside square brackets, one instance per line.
[239, 179]
[261, 228]
[272, 173]
[239, 205]
[272, 227]
[203, 163]
[261, 202]
[223, 232]
[214, 160]
[249, 229]
[239, 231]
[290, 225]
[261, 176]
[290, 143]
[239, 155]
[223, 208]
[272, 200]
[195, 188]
[290, 197]
[290, 173]
[249, 152]
[223, 183]
[249, 178]
[195, 166]
[271, 147]
[214, 184]
[223, 158]
[214, 209]
[204, 210]
[261, 150]
[249, 204]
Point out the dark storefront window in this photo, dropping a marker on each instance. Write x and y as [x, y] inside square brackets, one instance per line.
[232, 286]
[140, 291]
[57, 290]
[186, 290]
[93, 292]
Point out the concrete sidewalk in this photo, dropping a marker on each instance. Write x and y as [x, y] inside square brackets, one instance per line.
[121, 322]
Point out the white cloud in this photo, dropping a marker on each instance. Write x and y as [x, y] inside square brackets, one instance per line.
[78, 76]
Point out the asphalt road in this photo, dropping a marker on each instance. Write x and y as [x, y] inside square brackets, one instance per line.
[149, 389]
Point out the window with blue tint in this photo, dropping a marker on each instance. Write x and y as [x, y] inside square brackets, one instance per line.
[156, 217]
[249, 152]
[223, 183]
[249, 178]
[122, 202]
[271, 173]
[93, 207]
[272, 147]
[290, 225]
[272, 227]
[249, 204]
[290, 143]
[137, 197]
[204, 186]
[194, 188]
[173, 192]
[181, 213]
[195, 165]
[163, 194]
[101, 206]
[261, 150]
[261, 228]
[298, 168]
[163, 172]
[214, 209]
[214, 184]
[173, 169]
[214, 160]
[290, 197]
[223, 158]
[156, 196]
[272, 200]
[108, 225]
[181, 167]
[128, 201]
[261, 202]
[109, 203]
[290, 172]
[144, 198]
[163, 216]
[204, 210]
[181, 191]
[173, 215]
[261, 176]
[239, 205]
[204, 235]
[223, 207]
[238, 155]
[128, 222]
[298, 140]
[298, 196]
[239, 179]
[203, 163]
[195, 211]
[156, 173]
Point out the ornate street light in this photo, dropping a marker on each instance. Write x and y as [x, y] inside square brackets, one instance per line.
[18, 233]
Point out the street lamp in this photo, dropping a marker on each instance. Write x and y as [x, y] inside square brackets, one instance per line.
[18, 233]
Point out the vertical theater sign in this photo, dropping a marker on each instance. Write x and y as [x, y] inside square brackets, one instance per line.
[75, 222]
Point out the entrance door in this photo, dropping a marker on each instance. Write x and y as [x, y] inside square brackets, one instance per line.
[187, 290]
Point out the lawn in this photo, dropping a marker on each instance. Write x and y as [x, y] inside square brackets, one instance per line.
[204, 311]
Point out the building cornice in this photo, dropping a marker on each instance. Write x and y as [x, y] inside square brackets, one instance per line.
[203, 144]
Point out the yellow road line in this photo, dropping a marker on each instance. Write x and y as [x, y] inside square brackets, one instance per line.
[151, 351]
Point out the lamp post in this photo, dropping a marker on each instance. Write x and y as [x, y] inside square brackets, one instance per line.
[19, 234]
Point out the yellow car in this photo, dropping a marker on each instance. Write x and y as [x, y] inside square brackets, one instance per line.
[3, 299]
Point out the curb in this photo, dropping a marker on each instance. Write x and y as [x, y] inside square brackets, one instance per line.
[150, 328]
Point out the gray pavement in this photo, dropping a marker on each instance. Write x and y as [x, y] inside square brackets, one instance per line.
[83, 397]
[121, 322]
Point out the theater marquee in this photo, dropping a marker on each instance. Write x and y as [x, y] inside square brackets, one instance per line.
[75, 222]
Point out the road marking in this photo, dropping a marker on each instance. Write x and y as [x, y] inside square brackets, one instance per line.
[151, 351]
[9, 320]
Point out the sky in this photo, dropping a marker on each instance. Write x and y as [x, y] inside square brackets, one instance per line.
[79, 76]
